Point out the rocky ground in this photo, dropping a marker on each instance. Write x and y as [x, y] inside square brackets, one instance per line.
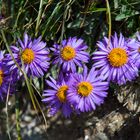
[116, 119]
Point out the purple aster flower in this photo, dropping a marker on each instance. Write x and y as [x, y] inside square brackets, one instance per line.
[70, 53]
[114, 61]
[56, 97]
[87, 90]
[33, 54]
[6, 82]
[134, 46]
[1, 56]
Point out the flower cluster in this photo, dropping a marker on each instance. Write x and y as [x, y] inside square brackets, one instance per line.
[76, 89]
[79, 93]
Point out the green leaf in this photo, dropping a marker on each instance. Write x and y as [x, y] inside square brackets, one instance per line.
[55, 14]
[126, 14]
[76, 24]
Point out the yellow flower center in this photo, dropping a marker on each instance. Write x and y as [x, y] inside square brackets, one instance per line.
[1, 77]
[117, 57]
[27, 56]
[68, 53]
[61, 93]
[139, 50]
[84, 88]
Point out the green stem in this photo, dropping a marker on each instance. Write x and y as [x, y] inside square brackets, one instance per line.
[9, 50]
[39, 17]
[21, 9]
[7, 114]
[109, 20]
[63, 27]
[17, 118]
[30, 89]
[0, 6]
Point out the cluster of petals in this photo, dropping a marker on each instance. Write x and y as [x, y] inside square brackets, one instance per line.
[70, 53]
[73, 91]
[6, 78]
[134, 46]
[116, 59]
[31, 56]
[81, 93]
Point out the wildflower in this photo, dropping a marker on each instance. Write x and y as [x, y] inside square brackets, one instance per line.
[134, 46]
[56, 97]
[70, 53]
[113, 60]
[33, 54]
[5, 78]
[87, 91]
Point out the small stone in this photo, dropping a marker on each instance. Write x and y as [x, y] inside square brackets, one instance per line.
[27, 119]
[100, 136]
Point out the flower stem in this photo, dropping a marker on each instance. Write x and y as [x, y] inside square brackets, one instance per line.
[109, 20]
[39, 17]
[17, 118]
